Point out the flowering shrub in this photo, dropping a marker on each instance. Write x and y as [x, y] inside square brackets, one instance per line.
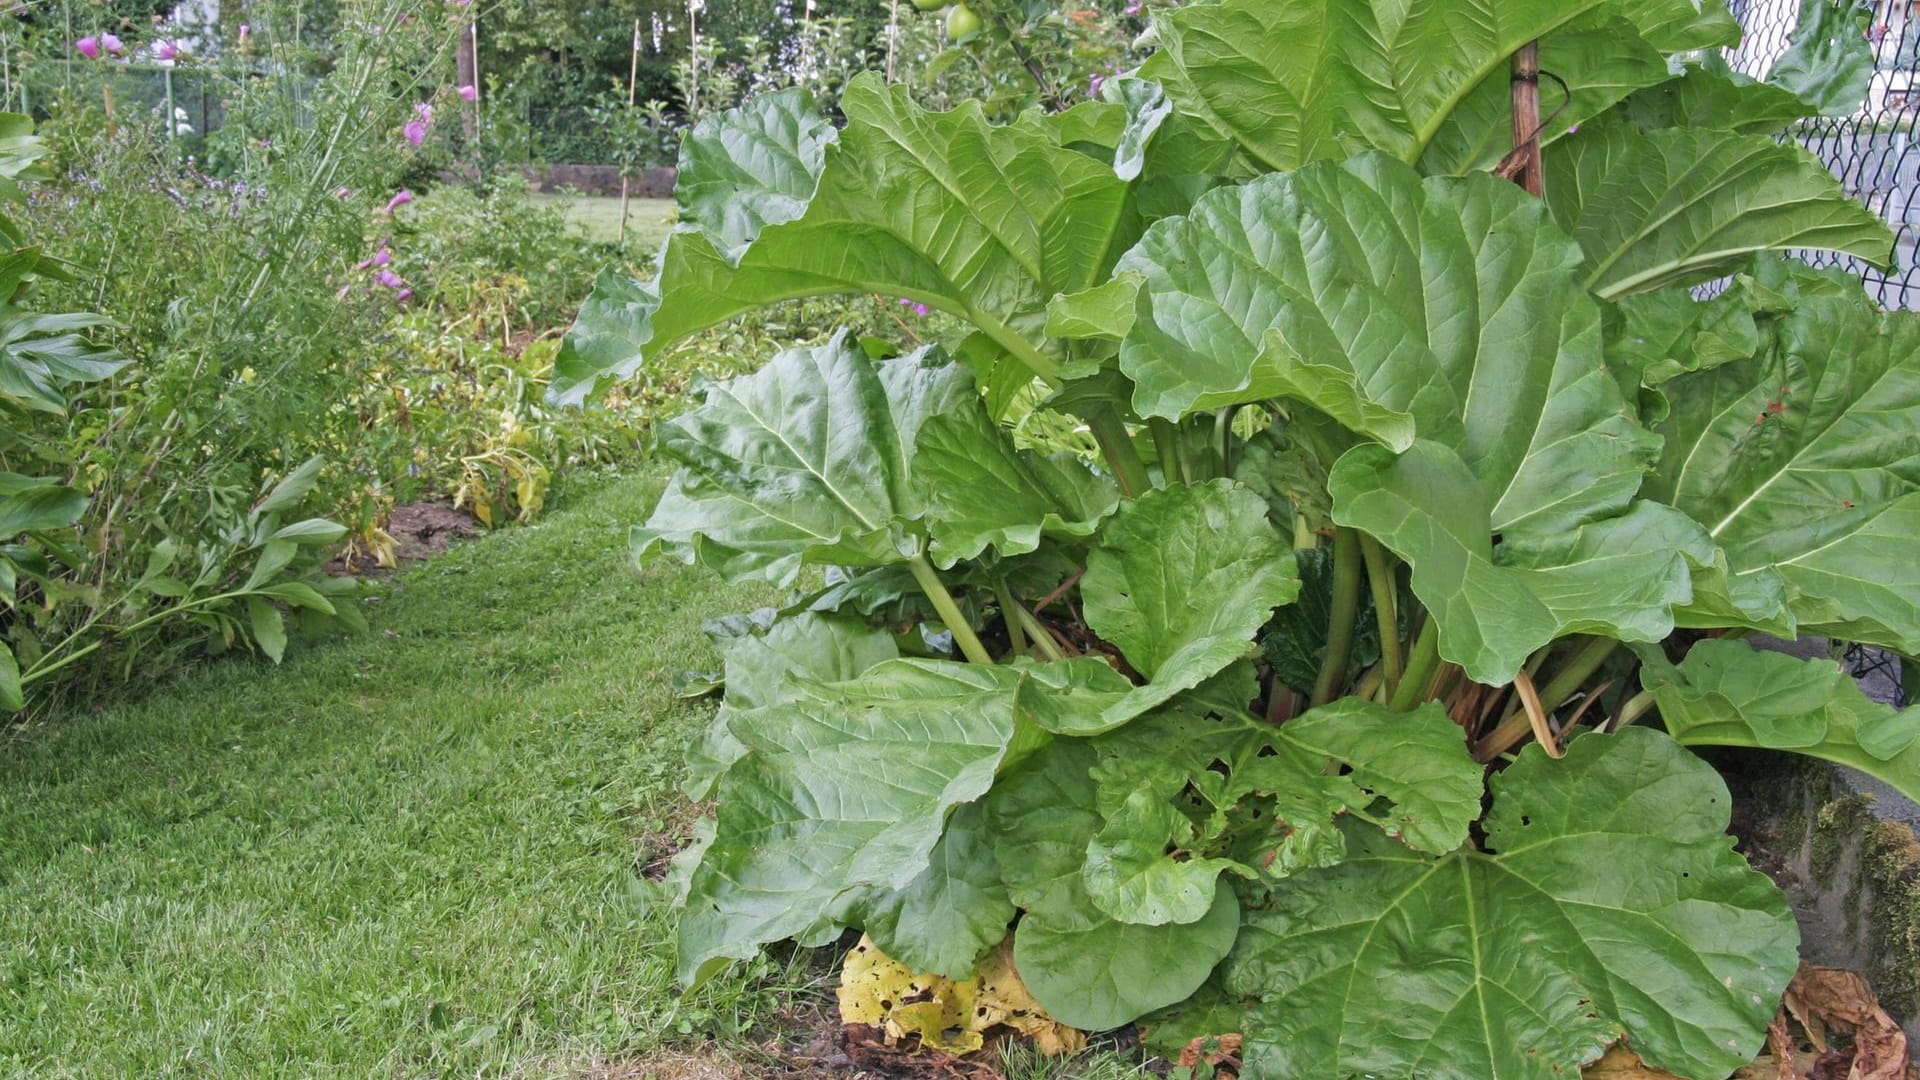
[235, 403]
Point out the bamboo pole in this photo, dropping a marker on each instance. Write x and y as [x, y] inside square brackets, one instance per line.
[626, 174]
[1526, 120]
[693, 59]
[893, 36]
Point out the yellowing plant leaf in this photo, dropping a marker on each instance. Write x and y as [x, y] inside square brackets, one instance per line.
[948, 1016]
[1004, 1001]
[887, 996]
[1620, 1063]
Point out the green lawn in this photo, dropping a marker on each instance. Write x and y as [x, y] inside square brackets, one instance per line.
[414, 853]
[648, 221]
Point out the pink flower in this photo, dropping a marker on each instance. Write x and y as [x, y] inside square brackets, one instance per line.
[1093, 84]
[422, 122]
[246, 35]
[343, 193]
[390, 279]
[1134, 8]
[383, 257]
[469, 92]
[88, 47]
[111, 44]
[166, 51]
[398, 201]
[403, 295]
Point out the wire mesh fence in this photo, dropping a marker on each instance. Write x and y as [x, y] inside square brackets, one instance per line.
[1872, 151]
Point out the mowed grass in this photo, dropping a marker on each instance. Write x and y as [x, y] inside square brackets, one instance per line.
[648, 220]
[414, 853]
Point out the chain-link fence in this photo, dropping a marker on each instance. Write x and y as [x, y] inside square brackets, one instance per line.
[1873, 151]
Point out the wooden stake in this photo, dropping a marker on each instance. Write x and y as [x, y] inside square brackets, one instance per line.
[893, 36]
[693, 59]
[1524, 162]
[466, 68]
[626, 174]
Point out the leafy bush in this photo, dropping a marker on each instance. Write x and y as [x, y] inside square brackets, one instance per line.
[1400, 467]
[224, 294]
[66, 589]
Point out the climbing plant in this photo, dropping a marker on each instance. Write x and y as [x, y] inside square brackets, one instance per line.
[1320, 706]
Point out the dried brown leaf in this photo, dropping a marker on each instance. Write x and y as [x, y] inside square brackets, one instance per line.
[1831, 998]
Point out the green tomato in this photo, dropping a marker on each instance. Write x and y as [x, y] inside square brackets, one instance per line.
[962, 23]
[931, 5]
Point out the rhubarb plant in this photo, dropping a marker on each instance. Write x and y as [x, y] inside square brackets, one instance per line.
[1344, 701]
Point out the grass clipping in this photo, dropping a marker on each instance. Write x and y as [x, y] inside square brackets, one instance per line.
[943, 1015]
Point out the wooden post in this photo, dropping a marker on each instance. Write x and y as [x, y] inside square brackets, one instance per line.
[466, 63]
[626, 174]
[1525, 159]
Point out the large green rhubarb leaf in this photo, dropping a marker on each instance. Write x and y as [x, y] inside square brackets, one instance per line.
[1682, 206]
[981, 492]
[762, 669]
[987, 222]
[1801, 460]
[1596, 62]
[1492, 607]
[1829, 57]
[1711, 95]
[1294, 83]
[1095, 973]
[1727, 693]
[1168, 788]
[804, 461]
[1609, 902]
[1444, 308]
[1043, 814]
[954, 911]
[745, 169]
[1181, 580]
[843, 796]
[1087, 969]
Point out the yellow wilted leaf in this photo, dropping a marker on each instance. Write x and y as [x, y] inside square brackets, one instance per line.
[382, 546]
[954, 1017]
[884, 994]
[1003, 999]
